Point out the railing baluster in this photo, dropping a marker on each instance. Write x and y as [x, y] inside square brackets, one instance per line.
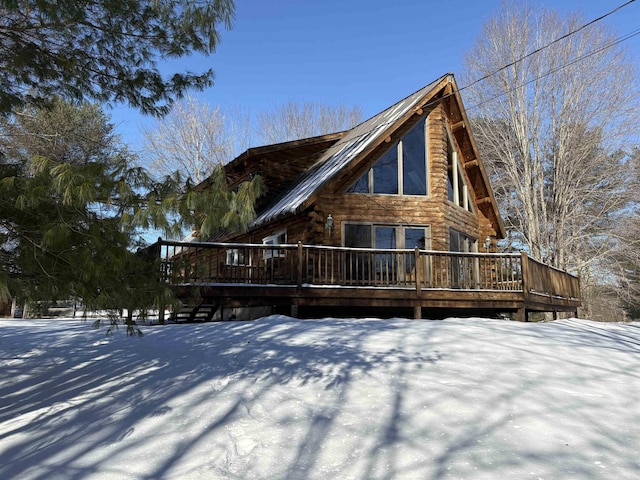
[202, 262]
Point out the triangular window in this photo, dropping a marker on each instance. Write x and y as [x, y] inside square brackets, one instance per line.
[402, 170]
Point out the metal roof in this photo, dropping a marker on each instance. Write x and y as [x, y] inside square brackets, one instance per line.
[341, 153]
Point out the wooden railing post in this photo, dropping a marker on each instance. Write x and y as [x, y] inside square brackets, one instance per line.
[526, 280]
[418, 273]
[163, 280]
[522, 315]
[300, 256]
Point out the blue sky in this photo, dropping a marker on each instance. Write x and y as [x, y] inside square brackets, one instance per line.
[368, 53]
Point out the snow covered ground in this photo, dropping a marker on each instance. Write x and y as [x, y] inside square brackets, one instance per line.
[280, 398]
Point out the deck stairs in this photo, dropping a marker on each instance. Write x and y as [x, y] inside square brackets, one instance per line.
[190, 313]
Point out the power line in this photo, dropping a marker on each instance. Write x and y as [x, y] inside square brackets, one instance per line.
[553, 42]
[573, 32]
[556, 69]
[538, 50]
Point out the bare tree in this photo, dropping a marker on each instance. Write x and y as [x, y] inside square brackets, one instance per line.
[552, 128]
[294, 120]
[193, 138]
[627, 258]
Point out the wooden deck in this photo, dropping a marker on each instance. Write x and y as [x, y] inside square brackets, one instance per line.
[240, 275]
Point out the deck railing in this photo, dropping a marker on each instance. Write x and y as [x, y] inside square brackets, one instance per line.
[542, 279]
[300, 265]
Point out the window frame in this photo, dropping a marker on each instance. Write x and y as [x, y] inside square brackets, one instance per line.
[386, 266]
[398, 146]
[468, 244]
[457, 188]
[236, 258]
[400, 233]
[273, 240]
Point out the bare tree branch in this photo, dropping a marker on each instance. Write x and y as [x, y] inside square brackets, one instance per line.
[554, 132]
[294, 120]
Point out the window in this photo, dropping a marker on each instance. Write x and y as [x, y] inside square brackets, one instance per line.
[236, 257]
[414, 161]
[464, 268]
[278, 238]
[385, 237]
[417, 237]
[385, 173]
[457, 190]
[402, 170]
[384, 267]
[364, 235]
[459, 242]
[357, 235]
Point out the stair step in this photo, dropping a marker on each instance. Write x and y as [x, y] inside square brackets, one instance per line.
[194, 313]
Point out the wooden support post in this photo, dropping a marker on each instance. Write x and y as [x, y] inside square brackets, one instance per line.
[294, 311]
[522, 315]
[526, 281]
[457, 126]
[471, 164]
[456, 183]
[417, 312]
[417, 270]
[300, 256]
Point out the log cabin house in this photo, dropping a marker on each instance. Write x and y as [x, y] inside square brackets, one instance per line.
[393, 217]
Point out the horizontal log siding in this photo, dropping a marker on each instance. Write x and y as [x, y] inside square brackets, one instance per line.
[381, 209]
[433, 210]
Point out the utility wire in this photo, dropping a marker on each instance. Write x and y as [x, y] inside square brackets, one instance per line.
[553, 42]
[556, 69]
[573, 32]
[485, 77]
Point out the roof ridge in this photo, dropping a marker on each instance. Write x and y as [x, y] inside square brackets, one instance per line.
[345, 150]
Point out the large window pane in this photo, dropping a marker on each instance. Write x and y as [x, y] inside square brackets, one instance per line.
[454, 241]
[358, 266]
[385, 173]
[414, 164]
[385, 237]
[362, 185]
[357, 236]
[416, 237]
[450, 166]
[386, 263]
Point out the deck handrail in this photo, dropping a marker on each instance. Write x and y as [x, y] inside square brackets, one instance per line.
[179, 243]
[543, 279]
[323, 265]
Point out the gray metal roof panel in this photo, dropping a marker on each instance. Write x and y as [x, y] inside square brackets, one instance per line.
[340, 154]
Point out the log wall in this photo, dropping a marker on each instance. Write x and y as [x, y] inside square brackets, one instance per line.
[433, 210]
